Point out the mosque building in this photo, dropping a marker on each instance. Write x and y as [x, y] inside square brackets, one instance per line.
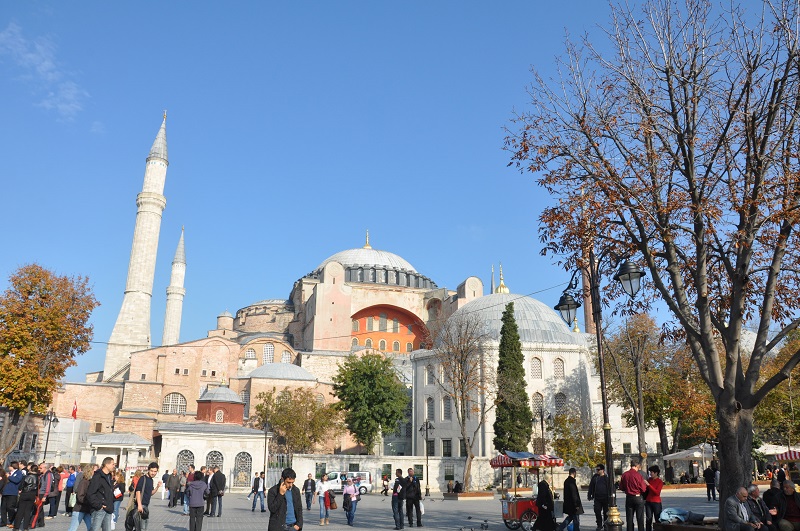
[190, 401]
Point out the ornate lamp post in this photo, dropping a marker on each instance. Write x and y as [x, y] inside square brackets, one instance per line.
[427, 428]
[629, 275]
[51, 420]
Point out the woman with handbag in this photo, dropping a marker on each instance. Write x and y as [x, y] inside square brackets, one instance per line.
[350, 497]
[323, 487]
[119, 493]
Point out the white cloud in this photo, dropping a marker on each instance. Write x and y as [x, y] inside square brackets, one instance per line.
[37, 62]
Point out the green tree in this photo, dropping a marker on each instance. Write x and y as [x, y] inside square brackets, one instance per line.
[575, 439]
[512, 425]
[371, 396]
[776, 417]
[43, 326]
[297, 418]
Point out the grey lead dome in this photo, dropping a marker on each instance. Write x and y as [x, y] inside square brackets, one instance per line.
[368, 257]
[537, 322]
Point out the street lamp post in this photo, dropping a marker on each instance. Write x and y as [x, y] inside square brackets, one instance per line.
[540, 416]
[427, 428]
[630, 276]
[51, 420]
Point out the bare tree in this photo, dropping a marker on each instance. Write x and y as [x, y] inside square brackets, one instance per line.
[679, 149]
[466, 375]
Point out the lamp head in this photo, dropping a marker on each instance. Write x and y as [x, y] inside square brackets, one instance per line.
[630, 276]
[567, 306]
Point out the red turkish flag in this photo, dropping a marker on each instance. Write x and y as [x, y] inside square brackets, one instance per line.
[75, 409]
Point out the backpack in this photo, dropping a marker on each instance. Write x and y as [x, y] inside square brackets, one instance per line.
[30, 483]
[53, 483]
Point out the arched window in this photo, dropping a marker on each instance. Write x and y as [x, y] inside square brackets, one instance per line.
[185, 458]
[368, 343]
[382, 345]
[214, 458]
[537, 403]
[355, 325]
[396, 346]
[395, 326]
[320, 399]
[174, 403]
[430, 375]
[269, 353]
[286, 357]
[220, 416]
[558, 369]
[561, 403]
[370, 324]
[382, 322]
[245, 396]
[250, 354]
[355, 341]
[447, 408]
[430, 408]
[536, 368]
[242, 468]
[409, 347]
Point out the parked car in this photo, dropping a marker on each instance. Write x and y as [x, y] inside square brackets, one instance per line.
[362, 479]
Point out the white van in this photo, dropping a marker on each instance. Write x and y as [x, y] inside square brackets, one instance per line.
[362, 479]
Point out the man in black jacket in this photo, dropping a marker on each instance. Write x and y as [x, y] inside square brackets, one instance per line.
[101, 496]
[309, 488]
[600, 491]
[413, 496]
[284, 503]
[788, 516]
[217, 487]
[572, 503]
[398, 497]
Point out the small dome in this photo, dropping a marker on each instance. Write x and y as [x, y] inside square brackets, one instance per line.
[537, 322]
[226, 313]
[281, 371]
[223, 393]
[368, 257]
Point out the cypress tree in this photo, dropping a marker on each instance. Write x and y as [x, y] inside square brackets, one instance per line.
[512, 425]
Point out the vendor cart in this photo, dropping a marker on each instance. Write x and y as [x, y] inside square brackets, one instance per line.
[521, 511]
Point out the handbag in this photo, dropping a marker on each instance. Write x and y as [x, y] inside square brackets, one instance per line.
[579, 509]
[73, 499]
[421, 508]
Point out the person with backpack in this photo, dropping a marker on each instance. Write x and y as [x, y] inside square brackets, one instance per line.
[47, 483]
[54, 498]
[27, 499]
[413, 497]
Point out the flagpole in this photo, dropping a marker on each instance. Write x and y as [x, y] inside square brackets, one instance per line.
[72, 435]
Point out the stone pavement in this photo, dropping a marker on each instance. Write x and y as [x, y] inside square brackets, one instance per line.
[374, 512]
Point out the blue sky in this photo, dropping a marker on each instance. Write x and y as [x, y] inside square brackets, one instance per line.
[293, 128]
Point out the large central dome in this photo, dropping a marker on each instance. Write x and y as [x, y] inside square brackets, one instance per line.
[368, 257]
[537, 322]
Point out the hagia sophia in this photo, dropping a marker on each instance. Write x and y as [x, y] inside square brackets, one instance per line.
[189, 401]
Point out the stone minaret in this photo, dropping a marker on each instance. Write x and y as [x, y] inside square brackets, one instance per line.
[175, 293]
[132, 329]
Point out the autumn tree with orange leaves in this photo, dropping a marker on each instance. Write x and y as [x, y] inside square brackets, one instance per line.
[43, 326]
[678, 148]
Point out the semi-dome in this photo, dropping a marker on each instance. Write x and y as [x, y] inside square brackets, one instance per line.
[537, 322]
[223, 393]
[281, 371]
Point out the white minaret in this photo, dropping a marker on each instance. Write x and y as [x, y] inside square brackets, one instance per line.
[175, 293]
[132, 329]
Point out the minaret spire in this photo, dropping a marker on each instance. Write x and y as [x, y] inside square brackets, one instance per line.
[132, 330]
[492, 291]
[502, 288]
[175, 294]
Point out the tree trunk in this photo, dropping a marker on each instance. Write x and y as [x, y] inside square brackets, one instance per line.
[676, 436]
[735, 459]
[661, 423]
[468, 471]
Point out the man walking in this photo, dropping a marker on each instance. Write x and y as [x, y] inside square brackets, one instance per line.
[600, 491]
[8, 506]
[208, 474]
[174, 487]
[101, 495]
[46, 484]
[144, 491]
[285, 504]
[398, 497]
[258, 491]
[217, 485]
[572, 503]
[309, 488]
[70, 486]
[413, 496]
[634, 486]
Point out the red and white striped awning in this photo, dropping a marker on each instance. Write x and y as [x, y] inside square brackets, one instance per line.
[790, 455]
[500, 461]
